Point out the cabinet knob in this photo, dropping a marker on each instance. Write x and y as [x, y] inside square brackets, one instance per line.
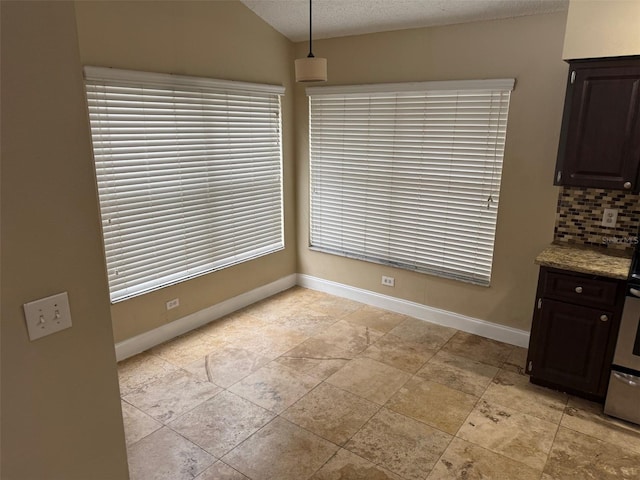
[578, 289]
[627, 185]
[604, 318]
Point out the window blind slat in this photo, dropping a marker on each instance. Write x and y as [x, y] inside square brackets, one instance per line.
[409, 175]
[189, 175]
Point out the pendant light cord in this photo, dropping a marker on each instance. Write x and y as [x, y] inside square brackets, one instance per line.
[310, 35]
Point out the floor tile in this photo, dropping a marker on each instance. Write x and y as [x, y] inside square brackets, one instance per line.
[172, 395]
[227, 365]
[458, 372]
[331, 413]
[316, 357]
[282, 451]
[576, 456]
[429, 334]
[306, 321]
[301, 296]
[221, 423]
[335, 306]
[165, 455]
[433, 403]
[303, 360]
[517, 360]
[270, 341]
[186, 349]
[234, 327]
[261, 336]
[399, 353]
[137, 424]
[221, 471]
[141, 369]
[322, 348]
[274, 387]
[271, 308]
[400, 444]
[465, 461]
[345, 465]
[515, 390]
[518, 436]
[479, 348]
[291, 300]
[375, 318]
[346, 337]
[369, 379]
[587, 417]
[276, 353]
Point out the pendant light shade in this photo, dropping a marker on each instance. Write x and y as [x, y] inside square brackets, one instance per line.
[311, 69]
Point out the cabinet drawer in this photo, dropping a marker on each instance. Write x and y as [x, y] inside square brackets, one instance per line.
[596, 292]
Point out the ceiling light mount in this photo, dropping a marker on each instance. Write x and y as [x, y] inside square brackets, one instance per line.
[311, 68]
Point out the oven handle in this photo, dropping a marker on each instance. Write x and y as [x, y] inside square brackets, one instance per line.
[627, 378]
[635, 292]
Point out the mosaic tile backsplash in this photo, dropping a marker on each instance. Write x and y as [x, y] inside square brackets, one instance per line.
[579, 217]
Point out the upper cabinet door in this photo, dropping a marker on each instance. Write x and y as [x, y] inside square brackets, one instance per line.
[600, 136]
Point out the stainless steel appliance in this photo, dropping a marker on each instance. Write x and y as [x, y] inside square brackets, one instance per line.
[623, 396]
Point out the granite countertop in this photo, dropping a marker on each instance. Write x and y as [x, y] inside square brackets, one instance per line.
[585, 259]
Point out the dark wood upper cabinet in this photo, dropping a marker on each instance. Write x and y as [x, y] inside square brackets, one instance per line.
[600, 136]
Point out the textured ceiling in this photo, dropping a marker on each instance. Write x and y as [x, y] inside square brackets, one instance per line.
[338, 18]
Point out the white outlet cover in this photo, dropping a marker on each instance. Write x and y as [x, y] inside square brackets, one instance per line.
[609, 217]
[47, 315]
[171, 304]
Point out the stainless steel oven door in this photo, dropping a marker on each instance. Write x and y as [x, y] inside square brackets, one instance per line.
[623, 397]
[627, 352]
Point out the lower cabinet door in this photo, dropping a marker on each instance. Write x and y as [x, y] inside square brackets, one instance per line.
[568, 346]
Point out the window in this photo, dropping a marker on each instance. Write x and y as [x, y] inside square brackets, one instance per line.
[189, 174]
[408, 175]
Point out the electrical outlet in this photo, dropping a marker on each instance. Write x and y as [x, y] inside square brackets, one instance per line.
[47, 315]
[388, 281]
[173, 303]
[609, 217]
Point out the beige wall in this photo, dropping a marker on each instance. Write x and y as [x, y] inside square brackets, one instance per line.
[602, 28]
[221, 39]
[61, 416]
[527, 48]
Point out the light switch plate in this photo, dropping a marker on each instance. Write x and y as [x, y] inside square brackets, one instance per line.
[47, 315]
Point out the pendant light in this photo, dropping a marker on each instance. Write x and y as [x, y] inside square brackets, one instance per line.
[311, 69]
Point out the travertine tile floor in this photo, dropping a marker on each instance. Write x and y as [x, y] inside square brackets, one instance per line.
[305, 385]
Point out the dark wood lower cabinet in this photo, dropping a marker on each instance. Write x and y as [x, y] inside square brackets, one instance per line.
[572, 342]
[572, 345]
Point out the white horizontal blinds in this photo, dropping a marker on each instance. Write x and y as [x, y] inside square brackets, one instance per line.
[189, 175]
[409, 175]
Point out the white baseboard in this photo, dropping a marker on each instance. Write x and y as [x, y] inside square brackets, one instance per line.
[132, 346]
[140, 343]
[476, 326]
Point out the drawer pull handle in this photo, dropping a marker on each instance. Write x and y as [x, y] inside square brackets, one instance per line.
[578, 289]
[604, 318]
[627, 185]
